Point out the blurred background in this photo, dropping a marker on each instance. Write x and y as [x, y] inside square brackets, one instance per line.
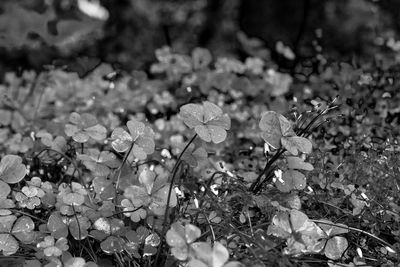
[79, 34]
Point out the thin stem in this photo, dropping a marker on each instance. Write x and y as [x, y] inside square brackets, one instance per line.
[29, 215]
[166, 214]
[205, 192]
[266, 168]
[122, 165]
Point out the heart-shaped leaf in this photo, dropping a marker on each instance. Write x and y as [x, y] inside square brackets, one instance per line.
[160, 198]
[220, 255]
[294, 144]
[274, 126]
[8, 244]
[179, 236]
[6, 223]
[23, 229]
[299, 164]
[75, 199]
[335, 247]
[78, 227]
[97, 132]
[291, 180]
[76, 262]
[56, 226]
[52, 251]
[112, 244]
[11, 169]
[208, 121]
[5, 190]
[122, 140]
[136, 128]
[108, 226]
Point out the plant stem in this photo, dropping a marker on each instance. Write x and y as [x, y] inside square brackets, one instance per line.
[122, 165]
[266, 168]
[357, 230]
[174, 171]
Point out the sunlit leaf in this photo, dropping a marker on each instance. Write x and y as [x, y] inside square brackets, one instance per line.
[335, 247]
[112, 244]
[6, 223]
[8, 244]
[179, 236]
[332, 229]
[208, 121]
[122, 140]
[11, 169]
[291, 180]
[23, 229]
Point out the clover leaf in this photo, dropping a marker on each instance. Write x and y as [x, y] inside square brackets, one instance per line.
[274, 126]
[140, 136]
[12, 170]
[108, 231]
[135, 240]
[207, 256]
[299, 164]
[179, 237]
[53, 248]
[13, 229]
[99, 163]
[194, 156]
[56, 226]
[104, 187]
[130, 210]
[72, 195]
[149, 194]
[291, 180]
[301, 234]
[58, 143]
[85, 126]
[335, 247]
[59, 226]
[208, 121]
[29, 197]
[277, 131]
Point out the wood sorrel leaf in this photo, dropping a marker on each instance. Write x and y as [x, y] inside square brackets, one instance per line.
[294, 144]
[299, 164]
[11, 169]
[291, 180]
[208, 121]
[335, 247]
[274, 126]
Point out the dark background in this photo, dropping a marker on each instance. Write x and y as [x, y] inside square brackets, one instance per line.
[340, 29]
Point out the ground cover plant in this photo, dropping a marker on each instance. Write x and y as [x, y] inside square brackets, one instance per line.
[200, 162]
